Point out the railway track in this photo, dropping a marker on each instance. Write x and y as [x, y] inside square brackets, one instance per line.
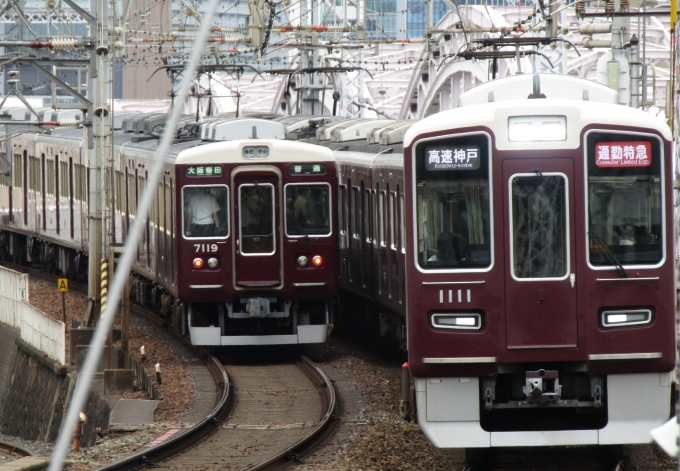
[9, 448]
[268, 414]
[603, 458]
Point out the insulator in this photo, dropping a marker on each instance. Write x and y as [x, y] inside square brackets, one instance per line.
[68, 123]
[609, 6]
[624, 5]
[580, 8]
[64, 44]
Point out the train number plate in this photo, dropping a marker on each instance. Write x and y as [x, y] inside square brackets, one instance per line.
[205, 247]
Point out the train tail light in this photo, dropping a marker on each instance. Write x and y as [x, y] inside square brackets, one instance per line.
[317, 261]
[620, 318]
[198, 263]
[471, 321]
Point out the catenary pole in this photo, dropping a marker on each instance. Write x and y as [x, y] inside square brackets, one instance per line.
[85, 378]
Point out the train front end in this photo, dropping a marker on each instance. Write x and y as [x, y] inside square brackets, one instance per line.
[258, 245]
[541, 305]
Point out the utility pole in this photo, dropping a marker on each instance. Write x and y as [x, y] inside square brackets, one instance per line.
[98, 139]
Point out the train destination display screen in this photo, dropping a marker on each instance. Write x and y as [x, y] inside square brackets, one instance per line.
[452, 158]
[623, 154]
[204, 171]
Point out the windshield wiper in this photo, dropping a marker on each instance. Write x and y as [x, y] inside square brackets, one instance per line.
[608, 253]
[297, 223]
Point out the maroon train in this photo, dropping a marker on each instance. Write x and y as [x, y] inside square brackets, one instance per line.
[536, 239]
[240, 247]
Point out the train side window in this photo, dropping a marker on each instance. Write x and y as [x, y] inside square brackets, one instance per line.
[382, 217]
[356, 214]
[625, 203]
[452, 207]
[308, 209]
[393, 220]
[368, 215]
[539, 226]
[205, 212]
[49, 177]
[168, 210]
[17, 171]
[342, 204]
[160, 201]
[63, 180]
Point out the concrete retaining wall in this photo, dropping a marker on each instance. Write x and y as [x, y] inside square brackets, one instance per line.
[34, 391]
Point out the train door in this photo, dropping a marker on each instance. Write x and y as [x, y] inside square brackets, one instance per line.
[540, 288]
[257, 220]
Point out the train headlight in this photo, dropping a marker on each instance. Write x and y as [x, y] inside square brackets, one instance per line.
[212, 262]
[317, 261]
[302, 261]
[620, 318]
[198, 263]
[466, 321]
[537, 128]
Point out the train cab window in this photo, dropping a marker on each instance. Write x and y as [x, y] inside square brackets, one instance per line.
[256, 215]
[452, 209]
[625, 204]
[308, 210]
[539, 226]
[205, 211]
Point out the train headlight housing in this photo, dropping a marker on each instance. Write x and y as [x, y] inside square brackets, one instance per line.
[537, 128]
[198, 263]
[317, 261]
[302, 261]
[212, 262]
[457, 321]
[625, 317]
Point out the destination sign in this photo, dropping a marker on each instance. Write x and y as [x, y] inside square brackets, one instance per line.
[204, 171]
[452, 158]
[307, 169]
[623, 154]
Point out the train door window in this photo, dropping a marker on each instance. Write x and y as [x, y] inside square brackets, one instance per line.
[63, 180]
[539, 226]
[625, 204]
[342, 192]
[393, 220]
[120, 192]
[34, 174]
[308, 210]
[160, 203]
[168, 210]
[205, 212]
[402, 219]
[452, 209]
[356, 214]
[49, 177]
[131, 195]
[141, 184]
[256, 203]
[368, 214]
[382, 217]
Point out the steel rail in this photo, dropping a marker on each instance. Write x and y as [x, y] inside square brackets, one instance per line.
[15, 450]
[318, 433]
[174, 446]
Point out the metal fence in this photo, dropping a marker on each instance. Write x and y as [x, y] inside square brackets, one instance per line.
[37, 328]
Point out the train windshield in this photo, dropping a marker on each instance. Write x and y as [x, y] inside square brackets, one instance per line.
[205, 211]
[308, 210]
[453, 211]
[625, 215]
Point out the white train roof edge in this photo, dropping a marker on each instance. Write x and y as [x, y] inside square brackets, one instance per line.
[495, 116]
[232, 151]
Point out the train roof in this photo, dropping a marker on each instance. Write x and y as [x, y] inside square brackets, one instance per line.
[552, 86]
[496, 116]
[280, 151]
